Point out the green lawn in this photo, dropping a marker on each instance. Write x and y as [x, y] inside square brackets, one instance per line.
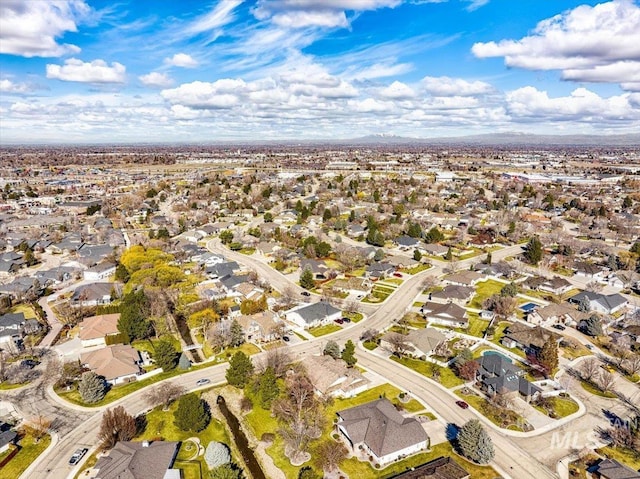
[417, 269]
[570, 352]
[361, 470]
[370, 345]
[562, 407]
[484, 290]
[6, 386]
[190, 469]
[260, 422]
[354, 317]
[149, 345]
[477, 326]
[447, 377]
[323, 330]
[594, 390]
[393, 281]
[25, 309]
[626, 456]
[247, 348]
[29, 450]
[506, 418]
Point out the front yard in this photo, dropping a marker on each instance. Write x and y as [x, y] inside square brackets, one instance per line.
[29, 451]
[446, 376]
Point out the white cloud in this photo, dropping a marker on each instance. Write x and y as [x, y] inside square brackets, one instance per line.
[397, 91]
[604, 37]
[582, 105]
[96, 71]
[156, 80]
[181, 60]
[31, 28]
[315, 13]
[475, 4]
[445, 86]
[220, 16]
[7, 86]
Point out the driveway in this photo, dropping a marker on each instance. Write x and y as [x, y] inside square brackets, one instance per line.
[531, 414]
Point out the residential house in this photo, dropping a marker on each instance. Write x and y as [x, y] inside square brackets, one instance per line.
[419, 342]
[260, 327]
[267, 248]
[434, 249]
[443, 467]
[601, 303]
[355, 230]
[453, 293]
[528, 339]
[556, 285]
[7, 437]
[448, 314]
[94, 330]
[588, 270]
[464, 278]
[99, 272]
[406, 243]
[94, 294]
[319, 269]
[353, 285]
[138, 460]
[381, 431]
[612, 469]
[11, 330]
[379, 270]
[497, 374]
[332, 377]
[555, 314]
[117, 364]
[314, 314]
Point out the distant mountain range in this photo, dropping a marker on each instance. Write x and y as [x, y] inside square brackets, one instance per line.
[502, 139]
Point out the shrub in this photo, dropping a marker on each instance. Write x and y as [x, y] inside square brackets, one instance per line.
[217, 454]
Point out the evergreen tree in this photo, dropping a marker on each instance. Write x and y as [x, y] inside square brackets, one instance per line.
[627, 202]
[449, 255]
[348, 353]
[417, 255]
[474, 442]
[165, 355]
[122, 274]
[268, 388]
[434, 235]
[332, 349]
[183, 362]
[414, 230]
[533, 251]
[226, 471]
[510, 290]
[548, 356]
[591, 326]
[240, 370]
[236, 334]
[308, 473]
[488, 260]
[306, 279]
[133, 322]
[92, 387]
[191, 413]
[584, 305]
[378, 255]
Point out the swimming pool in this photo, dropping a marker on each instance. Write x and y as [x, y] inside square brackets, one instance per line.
[490, 352]
[528, 307]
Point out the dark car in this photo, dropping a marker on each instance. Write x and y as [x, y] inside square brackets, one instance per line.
[286, 339]
[305, 293]
[559, 327]
[346, 320]
[462, 404]
[398, 275]
[29, 363]
[76, 456]
[339, 321]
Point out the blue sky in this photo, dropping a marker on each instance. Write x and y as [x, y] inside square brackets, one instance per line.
[191, 70]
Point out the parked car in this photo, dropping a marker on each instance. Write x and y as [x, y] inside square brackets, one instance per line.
[559, 327]
[346, 320]
[76, 456]
[339, 321]
[203, 381]
[305, 293]
[286, 339]
[462, 404]
[588, 346]
[398, 275]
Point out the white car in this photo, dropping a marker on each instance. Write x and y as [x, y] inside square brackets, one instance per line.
[203, 381]
[77, 456]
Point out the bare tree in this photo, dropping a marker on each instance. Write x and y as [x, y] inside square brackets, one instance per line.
[351, 306]
[589, 368]
[301, 416]
[164, 394]
[117, 425]
[279, 360]
[606, 381]
[38, 426]
[399, 343]
[329, 454]
[632, 364]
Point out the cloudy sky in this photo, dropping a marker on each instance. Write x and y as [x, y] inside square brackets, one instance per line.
[196, 70]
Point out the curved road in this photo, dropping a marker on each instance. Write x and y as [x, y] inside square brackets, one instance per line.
[53, 464]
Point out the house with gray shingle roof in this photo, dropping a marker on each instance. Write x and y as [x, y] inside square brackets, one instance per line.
[382, 431]
[602, 303]
[612, 469]
[137, 460]
[314, 314]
